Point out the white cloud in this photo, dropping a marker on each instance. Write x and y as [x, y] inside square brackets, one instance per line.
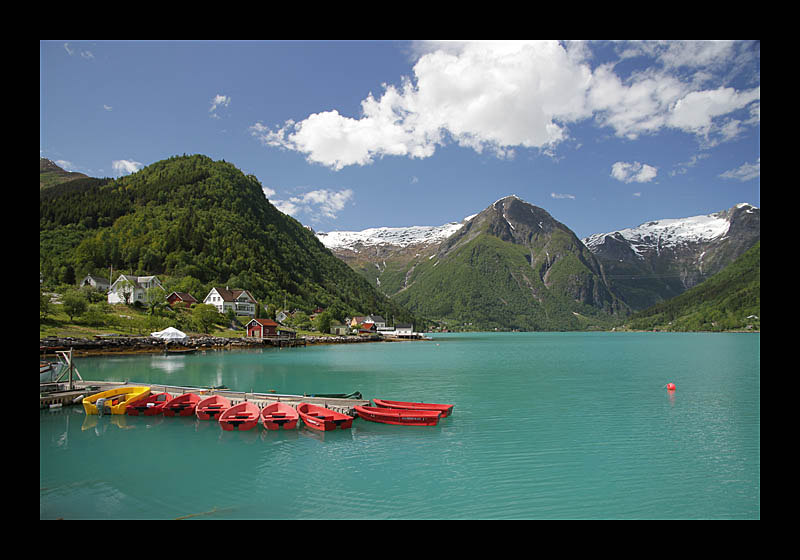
[317, 204]
[84, 54]
[65, 165]
[499, 96]
[218, 101]
[107, 107]
[562, 195]
[633, 172]
[487, 95]
[744, 172]
[125, 166]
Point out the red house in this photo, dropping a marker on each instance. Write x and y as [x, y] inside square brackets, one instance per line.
[181, 297]
[262, 328]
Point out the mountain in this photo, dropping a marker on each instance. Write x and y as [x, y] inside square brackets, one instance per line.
[626, 270]
[661, 259]
[386, 256]
[51, 174]
[512, 266]
[728, 300]
[198, 223]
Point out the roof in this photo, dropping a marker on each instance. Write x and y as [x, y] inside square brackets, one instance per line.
[136, 281]
[183, 296]
[97, 279]
[231, 295]
[264, 322]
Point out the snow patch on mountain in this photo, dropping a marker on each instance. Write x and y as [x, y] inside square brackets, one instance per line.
[400, 236]
[668, 233]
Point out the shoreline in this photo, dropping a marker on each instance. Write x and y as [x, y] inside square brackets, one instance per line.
[119, 345]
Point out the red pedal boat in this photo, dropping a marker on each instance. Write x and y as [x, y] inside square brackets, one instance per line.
[212, 407]
[151, 405]
[279, 415]
[323, 419]
[242, 416]
[183, 405]
[399, 416]
[445, 409]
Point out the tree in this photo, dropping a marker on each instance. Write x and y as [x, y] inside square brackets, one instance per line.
[154, 297]
[44, 304]
[75, 303]
[323, 322]
[205, 316]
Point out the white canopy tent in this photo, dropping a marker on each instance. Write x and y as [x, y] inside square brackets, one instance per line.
[169, 334]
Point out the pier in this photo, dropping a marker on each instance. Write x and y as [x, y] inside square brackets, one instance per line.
[84, 388]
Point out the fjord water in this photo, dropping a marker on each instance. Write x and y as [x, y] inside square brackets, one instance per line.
[545, 426]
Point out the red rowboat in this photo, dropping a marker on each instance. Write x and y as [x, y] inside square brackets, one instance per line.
[212, 407]
[184, 405]
[445, 409]
[401, 417]
[242, 416]
[279, 415]
[323, 419]
[151, 405]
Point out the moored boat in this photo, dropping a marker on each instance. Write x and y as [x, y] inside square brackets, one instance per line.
[445, 409]
[182, 405]
[279, 415]
[114, 400]
[399, 416]
[212, 407]
[323, 419]
[179, 351]
[242, 416]
[151, 405]
[353, 395]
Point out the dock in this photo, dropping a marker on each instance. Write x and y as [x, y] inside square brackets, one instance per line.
[84, 388]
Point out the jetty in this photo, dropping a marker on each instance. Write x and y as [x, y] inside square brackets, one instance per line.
[82, 388]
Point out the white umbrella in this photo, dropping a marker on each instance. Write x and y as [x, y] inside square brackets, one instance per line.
[170, 333]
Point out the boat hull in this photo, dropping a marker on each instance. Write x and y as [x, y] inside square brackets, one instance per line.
[279, 415]
[243, 416]
[212, 407]
[116, 400]
[399, 417]
[152, 405]
[183, 405]
[445, 409]
[323, 419]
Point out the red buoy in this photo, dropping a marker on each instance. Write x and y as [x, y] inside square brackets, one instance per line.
[670, 386]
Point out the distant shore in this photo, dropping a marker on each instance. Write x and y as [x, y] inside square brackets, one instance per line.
[115, 345]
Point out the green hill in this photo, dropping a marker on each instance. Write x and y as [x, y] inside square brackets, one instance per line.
[512, 267]
[201, 223]
[729, 300]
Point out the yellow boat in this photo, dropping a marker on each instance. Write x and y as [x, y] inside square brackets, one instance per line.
[115, 400]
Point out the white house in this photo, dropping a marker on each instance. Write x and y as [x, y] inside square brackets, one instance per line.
[130, 289]
[96, 282]
[240, 301]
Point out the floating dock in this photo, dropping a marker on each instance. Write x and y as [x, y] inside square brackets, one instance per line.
[84, 388]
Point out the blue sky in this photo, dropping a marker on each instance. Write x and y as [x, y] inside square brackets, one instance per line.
[347, 135]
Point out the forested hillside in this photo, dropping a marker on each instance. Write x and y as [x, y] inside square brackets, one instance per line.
[200, 223]
[729, 300]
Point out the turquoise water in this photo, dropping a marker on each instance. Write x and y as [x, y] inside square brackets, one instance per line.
[545, 426]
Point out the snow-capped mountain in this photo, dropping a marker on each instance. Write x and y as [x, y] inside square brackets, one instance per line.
[643, 265]
[661, 259]
[397, 236]
[672, 233]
